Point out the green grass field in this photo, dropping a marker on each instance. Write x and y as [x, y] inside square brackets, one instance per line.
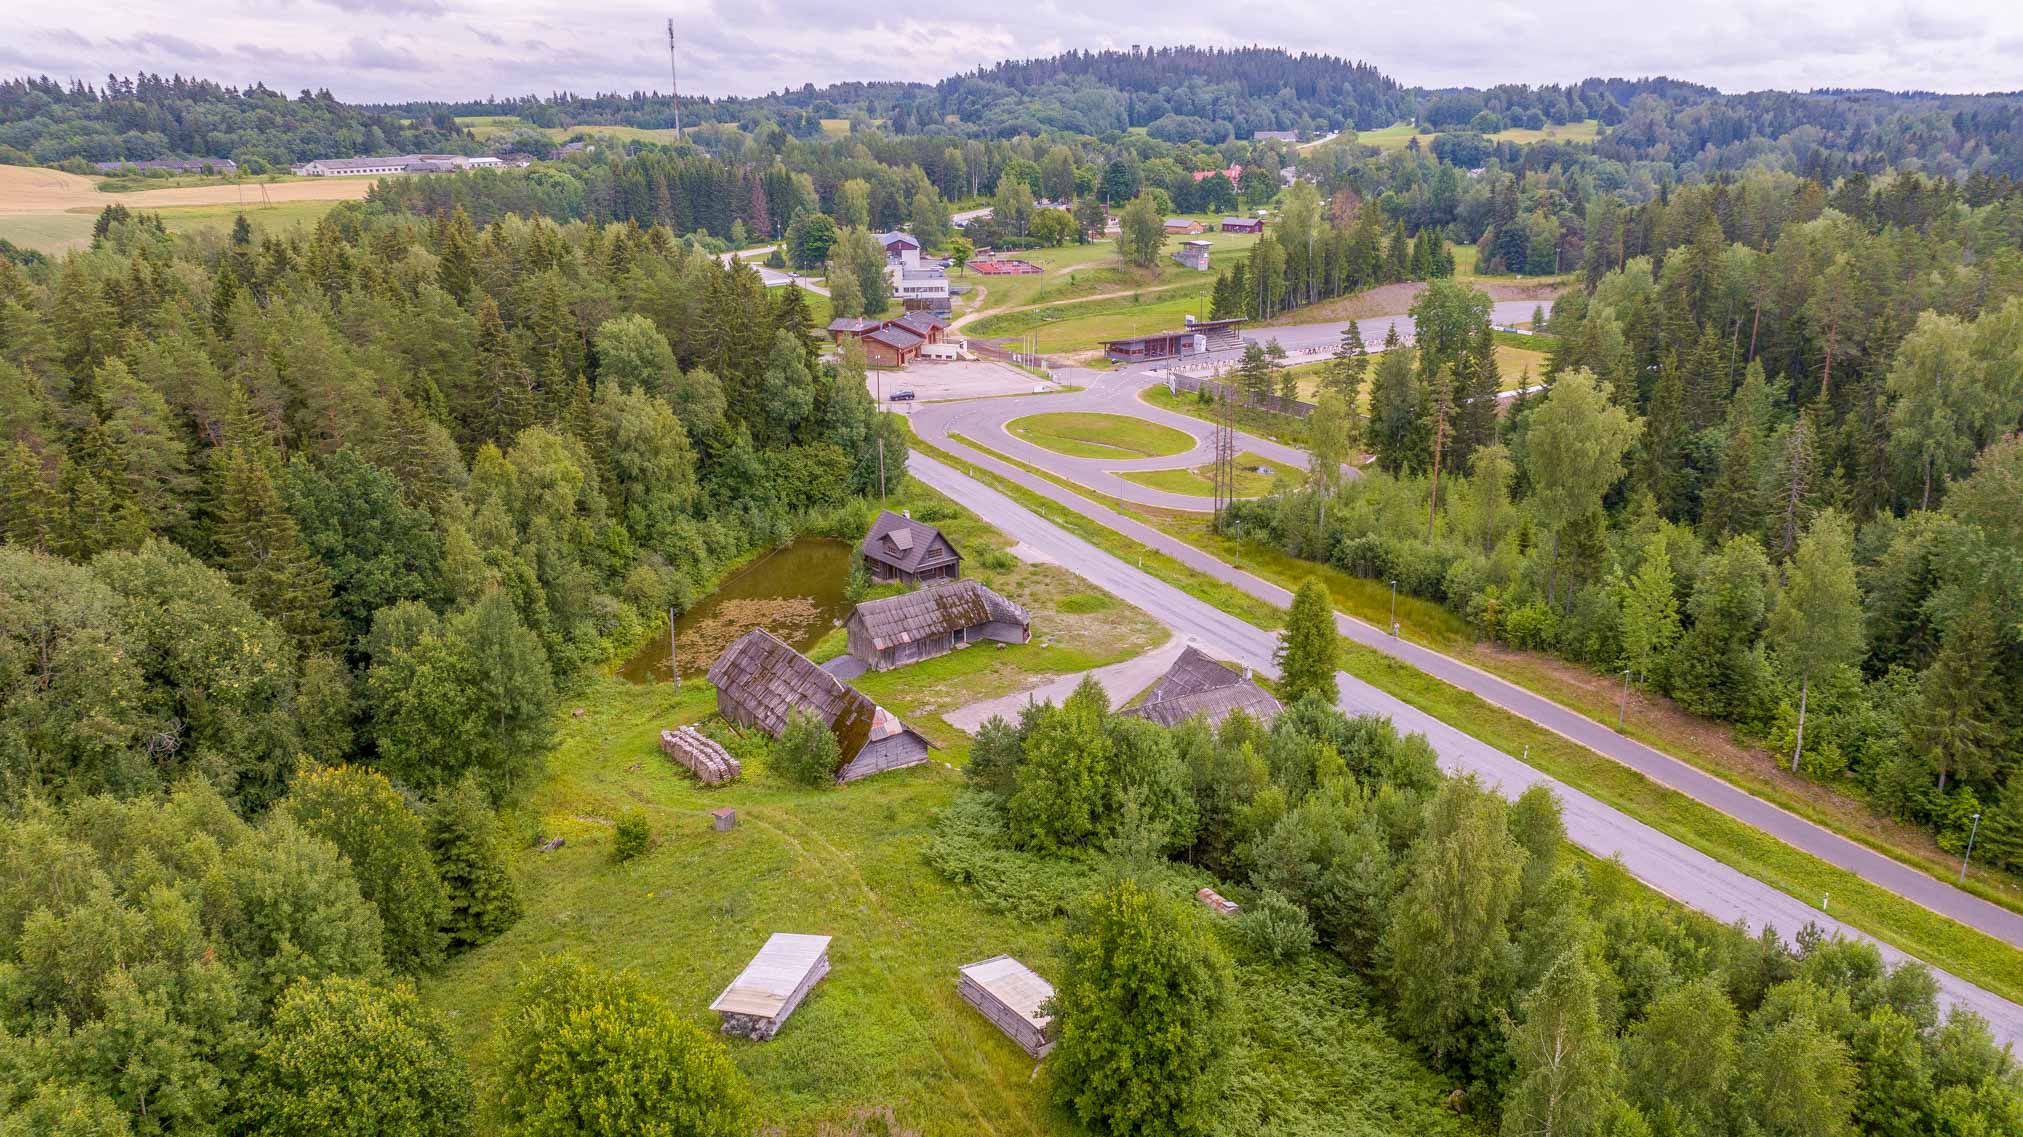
[487, 127]
[1396, 135]
[885, 1030]
[1090, 435]
[1074, 271]
[1200, 481]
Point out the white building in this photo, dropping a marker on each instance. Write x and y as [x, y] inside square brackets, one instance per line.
[919, 288]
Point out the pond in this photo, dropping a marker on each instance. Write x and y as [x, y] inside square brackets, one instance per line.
[794, 592]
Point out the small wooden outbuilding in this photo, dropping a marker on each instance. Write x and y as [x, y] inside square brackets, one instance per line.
[758, 1001]
[760, 681]
[900, 548]
[1010, 994]
[899, 630]
[1197, 685]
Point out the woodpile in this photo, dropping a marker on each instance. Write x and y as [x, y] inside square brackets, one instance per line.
[702, 755]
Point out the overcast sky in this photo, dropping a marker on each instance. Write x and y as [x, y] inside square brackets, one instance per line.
[395, 50]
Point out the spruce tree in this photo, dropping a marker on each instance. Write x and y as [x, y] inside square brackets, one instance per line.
[1955, 723]
[1477, 393]
[262, 551]
[1308, 647]
[1393, 406]
[464, 838]
[1350, 365]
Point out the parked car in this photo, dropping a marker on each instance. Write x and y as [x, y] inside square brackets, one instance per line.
[904, 395]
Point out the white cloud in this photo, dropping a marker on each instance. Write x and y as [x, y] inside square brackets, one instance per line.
[391, 50]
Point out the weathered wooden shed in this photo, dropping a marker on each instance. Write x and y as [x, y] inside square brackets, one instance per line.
[1010, 994]
[899, 630]
[900, 548]
[758, 1001]
[1197, 685]
[760, 680]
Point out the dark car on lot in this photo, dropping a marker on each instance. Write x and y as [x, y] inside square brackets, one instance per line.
[901, 396]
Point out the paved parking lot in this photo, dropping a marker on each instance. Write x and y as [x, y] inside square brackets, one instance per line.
[931, 382]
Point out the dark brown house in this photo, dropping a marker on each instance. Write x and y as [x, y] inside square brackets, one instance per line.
[900, 548]
[899, 630]
[893, 345]
[760, 681]
[1198, 686]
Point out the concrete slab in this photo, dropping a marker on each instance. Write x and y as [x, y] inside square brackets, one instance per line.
[959, 379]
[1121, 680]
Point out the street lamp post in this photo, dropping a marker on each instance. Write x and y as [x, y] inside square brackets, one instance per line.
[1971, 834]
[1623, 709]
[1394, 609]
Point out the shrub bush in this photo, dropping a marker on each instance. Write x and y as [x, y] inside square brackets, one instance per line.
[634, 834]
[806, 753]
[1276, 927]
[1531, 626]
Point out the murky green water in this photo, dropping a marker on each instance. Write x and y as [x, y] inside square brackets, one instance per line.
[794, 592]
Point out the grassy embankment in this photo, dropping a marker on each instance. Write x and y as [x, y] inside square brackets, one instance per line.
[1095, 435]
[885, 1030]
[1200, 480]
[1937, 940]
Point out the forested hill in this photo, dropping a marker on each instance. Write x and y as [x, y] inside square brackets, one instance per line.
[1177, 93]
[45, 122]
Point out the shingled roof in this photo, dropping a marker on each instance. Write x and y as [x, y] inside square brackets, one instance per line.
[894, 336]
[934, 612]
[1197, 685]
[767, 679]
[906, 544]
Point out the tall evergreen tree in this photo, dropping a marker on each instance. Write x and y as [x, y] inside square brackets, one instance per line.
[1308, 646]
[262, 551]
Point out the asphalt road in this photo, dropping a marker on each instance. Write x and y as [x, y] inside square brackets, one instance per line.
[1675, 869]
[1116, 392]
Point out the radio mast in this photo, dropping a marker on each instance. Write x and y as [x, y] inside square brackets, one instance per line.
[673, 77]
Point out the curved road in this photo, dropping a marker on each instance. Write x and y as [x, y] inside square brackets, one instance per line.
[1116, 392]
[1673, 868]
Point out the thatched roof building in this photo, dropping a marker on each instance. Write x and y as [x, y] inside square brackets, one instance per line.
[760, 680]
[920, 625]
[1198, 685]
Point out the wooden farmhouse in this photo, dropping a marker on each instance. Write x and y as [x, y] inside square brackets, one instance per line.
[758, 1001]
[899, 630]
[900, 548]
[760, 680]
[1197, 685]
[1010, 994]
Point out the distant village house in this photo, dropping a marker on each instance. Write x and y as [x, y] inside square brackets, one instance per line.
[1183, 225]
[1243, 225]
